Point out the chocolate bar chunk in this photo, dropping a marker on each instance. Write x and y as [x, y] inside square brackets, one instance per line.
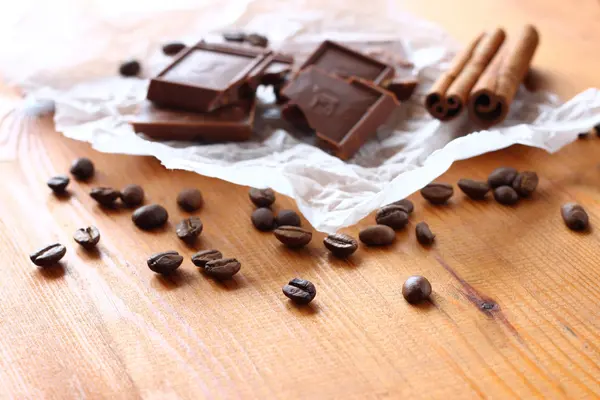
[402, 88]
[344, 113]
[277, 70]
[344, 62]
[230, 123]
[208, 76]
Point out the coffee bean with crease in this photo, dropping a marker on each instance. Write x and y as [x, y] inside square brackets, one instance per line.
[293, 236]
[150, 216]
[341, 245]
[172, 48]
[263, 219]
[262, 197]
[506, 195]
[189, 229]
[82, 169]
[424, 234]
[377, 235]
[406, 204]
[575, 217]
[525, 183]
[87, 237]
[257, 40]
[58, 183]
[300, 291]
[503, 176]
[49, 255]
[165, 263]
[287, 217]
[393, 216]
[203, 256]
[234, 36]
[437, 193]
[223, 268]
[105, 196]
[130, 68]
[416, 289]
[132, 195]
[190, 199]
[476, 190]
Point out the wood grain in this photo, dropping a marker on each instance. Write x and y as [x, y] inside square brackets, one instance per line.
[515, 307]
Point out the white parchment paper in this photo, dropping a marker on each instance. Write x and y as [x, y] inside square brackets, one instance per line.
[68, 52]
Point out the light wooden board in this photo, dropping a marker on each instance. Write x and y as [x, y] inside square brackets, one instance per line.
[107, 327]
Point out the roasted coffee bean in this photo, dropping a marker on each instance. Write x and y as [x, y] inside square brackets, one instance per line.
[377, 235]
[132, 195]
[190, 199]
[525, 183]
[263, 219]
[293, 236]
[165, 262]
[575, 217]
[424, 234]
[130, 68]
[150, 216]
[437, 193]
[288, 217]
[340, 245]
[262, 197]
[416, 289]
[105, 196]
[393, 216]
[503, 176]
[300, 291]
[49, 255]
[189, 229]
[234, 36]
[223, 268]
[82, 169]
[506, 195]
[202, 257]
[406, 204]
[257, 40]
[87, 237]
[583, 135]
[476, 190]
[172, 48]
[58, 183]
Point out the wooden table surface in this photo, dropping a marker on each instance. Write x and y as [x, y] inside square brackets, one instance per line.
[105, 326]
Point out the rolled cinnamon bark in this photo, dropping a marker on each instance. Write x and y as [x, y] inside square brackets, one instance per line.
[493, 94]
[450, 94]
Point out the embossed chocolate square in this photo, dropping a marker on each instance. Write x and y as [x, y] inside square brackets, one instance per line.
[344, 113]
[231, 123]
[208, 76]
[344, 62]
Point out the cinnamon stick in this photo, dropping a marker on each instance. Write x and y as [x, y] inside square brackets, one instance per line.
[449, 95]
[493, 94]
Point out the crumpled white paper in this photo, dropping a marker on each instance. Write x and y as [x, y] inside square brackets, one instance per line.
[74, 64]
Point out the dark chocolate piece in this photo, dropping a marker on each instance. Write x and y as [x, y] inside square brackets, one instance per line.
[345, 114]
[231, 123]
[402, 88]
[277, 70]
[344, 62]
[208, 76]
